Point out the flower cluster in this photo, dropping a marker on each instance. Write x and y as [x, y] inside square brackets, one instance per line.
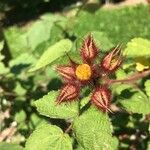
[76, 76]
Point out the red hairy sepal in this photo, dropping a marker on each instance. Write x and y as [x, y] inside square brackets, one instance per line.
[101, 98]
[67, 72]
[68, 92]
[112, 60]
[89, 50]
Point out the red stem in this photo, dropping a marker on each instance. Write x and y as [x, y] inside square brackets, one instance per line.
[131, 78]
[69, 128]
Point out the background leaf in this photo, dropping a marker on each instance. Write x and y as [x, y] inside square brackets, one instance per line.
[9, 146]
[52, 53]
[138, 103]
[147, 87]
[138, 47]
[120, 25]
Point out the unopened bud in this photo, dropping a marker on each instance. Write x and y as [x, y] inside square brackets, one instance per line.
[89, 50]
[112, 60]
[101, 98]
[67, 93]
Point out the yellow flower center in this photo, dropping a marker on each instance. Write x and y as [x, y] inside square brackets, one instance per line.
[83, 72]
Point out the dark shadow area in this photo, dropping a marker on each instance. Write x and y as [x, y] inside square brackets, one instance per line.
[17, 69]
[54, 84]
[21, 11]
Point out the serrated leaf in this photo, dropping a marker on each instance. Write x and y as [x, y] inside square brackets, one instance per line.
[10, 146]
[93, 130]
[48, 137]
[147, 87]
[138, 47]
[47, 107]
[52, 53]
[138, 103]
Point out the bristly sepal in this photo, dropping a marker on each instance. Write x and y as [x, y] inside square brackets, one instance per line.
[112, 61]
[67, 72]
[89, 50]
[101, 98]
[68, 93]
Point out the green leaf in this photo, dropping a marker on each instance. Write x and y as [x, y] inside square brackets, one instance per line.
[115, 23]
[118, 88]
[35, 120]
[16, 40]
[147, 87]
[21, 64]
[138, 103]
[93, 130]
[52, 53]
[20, 116]
[79, 147]
[23, 59]
[48, 137]
[27, 38]
[19, 89]
[40, 30]
[138, 47]
[10, 146]
[148, 147]
[47, 107]
[3, 69]
[102, 41]
[1, 47]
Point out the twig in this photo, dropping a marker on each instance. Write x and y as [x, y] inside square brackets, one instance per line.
[131, 78]
[69, 128]
[8, 132]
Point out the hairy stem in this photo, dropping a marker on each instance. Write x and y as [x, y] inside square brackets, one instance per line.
[131, 79]
[69, 128]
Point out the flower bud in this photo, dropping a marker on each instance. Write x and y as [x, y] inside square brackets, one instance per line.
[112, 60]
[68, 93]
[89, 50]
[67, 72]
[101, 98]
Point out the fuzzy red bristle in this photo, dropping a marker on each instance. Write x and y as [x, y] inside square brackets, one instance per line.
[112, 60]
[67, 93]
[89, 50]
[67, 72]
[101, 98]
